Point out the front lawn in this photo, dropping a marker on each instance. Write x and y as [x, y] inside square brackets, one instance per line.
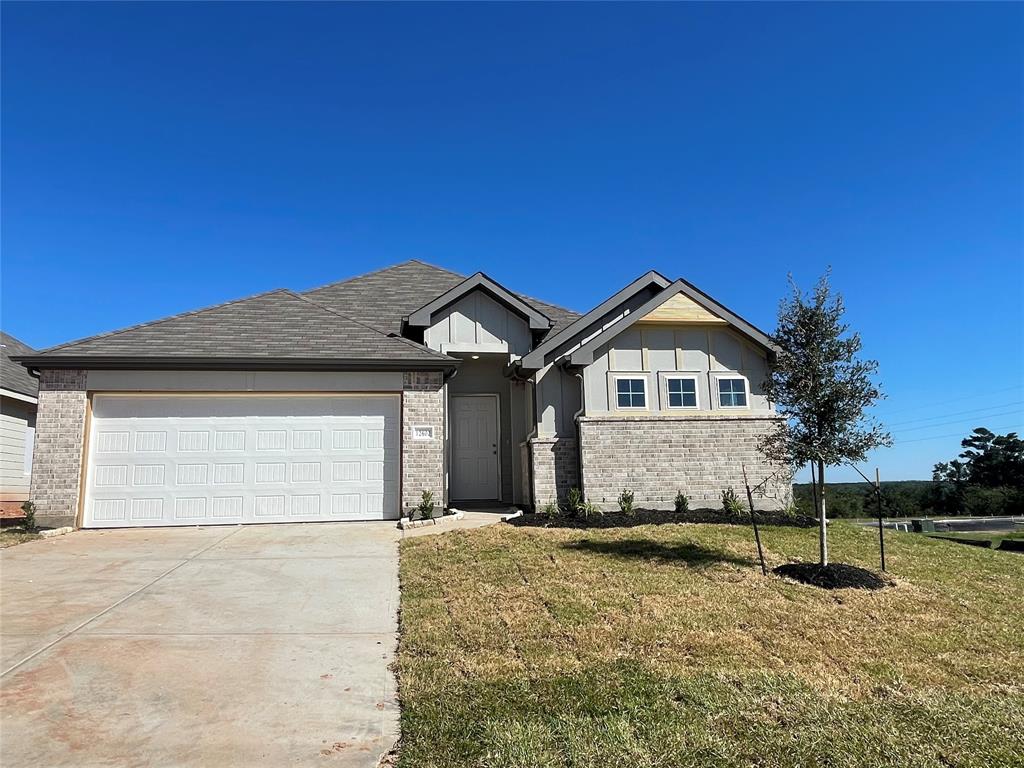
[665, 646]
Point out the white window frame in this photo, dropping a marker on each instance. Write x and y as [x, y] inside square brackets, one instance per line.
[638, 376]
[696, 391]
[718, 392]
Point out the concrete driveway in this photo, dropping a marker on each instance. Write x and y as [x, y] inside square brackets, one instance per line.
[222, 646]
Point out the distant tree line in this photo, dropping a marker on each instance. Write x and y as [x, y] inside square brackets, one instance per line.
[986, 479]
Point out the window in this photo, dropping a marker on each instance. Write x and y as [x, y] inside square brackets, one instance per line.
[631, 393]
[682, 392]
[732, 393]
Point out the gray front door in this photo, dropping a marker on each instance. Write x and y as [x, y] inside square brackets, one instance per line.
[474, 425]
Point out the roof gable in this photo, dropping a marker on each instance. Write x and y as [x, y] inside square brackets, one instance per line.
[536, 359]
[585, 354]
[384, 298]
[537, 320]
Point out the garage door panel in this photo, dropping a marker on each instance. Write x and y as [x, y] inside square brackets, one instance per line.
[226, 460]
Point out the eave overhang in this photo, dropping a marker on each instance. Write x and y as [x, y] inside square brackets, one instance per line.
[182, 363]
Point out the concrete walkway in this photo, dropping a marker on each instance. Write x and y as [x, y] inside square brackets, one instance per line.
[221, 646]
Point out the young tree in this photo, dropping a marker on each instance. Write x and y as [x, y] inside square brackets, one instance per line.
[822, 390]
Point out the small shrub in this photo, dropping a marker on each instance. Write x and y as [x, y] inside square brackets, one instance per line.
[426, 505]
[574, 501]
[682, 503]
[549, 510]
[30, 515]
[587, 510]
[626, 501]
[730, 503]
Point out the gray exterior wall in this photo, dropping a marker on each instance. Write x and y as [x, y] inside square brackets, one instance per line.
[706, 352]
[423, 461]
[657, 456]
[59, 447]
[17, 421]
[476, 322]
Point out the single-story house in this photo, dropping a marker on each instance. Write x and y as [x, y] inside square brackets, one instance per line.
[347, 402]
[18, 395]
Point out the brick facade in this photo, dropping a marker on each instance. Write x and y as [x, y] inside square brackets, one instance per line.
[656, 457]
[422, 460]
[59, 446]
[555, 468]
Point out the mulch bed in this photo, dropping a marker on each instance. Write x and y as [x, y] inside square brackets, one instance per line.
[659, 517]
[833, 576]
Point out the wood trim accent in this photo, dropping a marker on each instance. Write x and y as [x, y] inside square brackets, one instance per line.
[84, 470]
[681, 309]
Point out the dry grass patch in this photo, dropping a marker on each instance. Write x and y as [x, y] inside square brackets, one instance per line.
[11, 536]
[664, 645]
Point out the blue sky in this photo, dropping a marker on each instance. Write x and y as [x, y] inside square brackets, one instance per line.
[162, 157]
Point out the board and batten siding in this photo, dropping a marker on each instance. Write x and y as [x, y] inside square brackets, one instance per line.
[707, 352]
[558, 401]
[476, 322]
[17, 428]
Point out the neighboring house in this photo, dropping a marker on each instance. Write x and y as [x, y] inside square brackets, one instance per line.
[18, 393]
[346, 402]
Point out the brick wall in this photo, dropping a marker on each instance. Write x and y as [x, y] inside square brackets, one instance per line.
[422, 460]
[655, 457]
[554, 468]
[59, 446]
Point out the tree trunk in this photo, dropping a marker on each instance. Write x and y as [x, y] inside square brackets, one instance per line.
[822, 521]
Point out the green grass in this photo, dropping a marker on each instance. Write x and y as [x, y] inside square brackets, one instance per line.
[664, 646]
[15, 535]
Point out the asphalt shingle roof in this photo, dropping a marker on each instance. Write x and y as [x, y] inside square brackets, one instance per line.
[382, 298]
[359, 319]
[13, 376]
[280, 324]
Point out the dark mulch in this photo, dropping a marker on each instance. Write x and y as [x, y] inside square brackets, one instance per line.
[659, 517]
[833, 576]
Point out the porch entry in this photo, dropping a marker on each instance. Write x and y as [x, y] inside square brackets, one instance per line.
[474, 445]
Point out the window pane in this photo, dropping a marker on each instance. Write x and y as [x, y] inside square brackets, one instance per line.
[630, 393]
[682, 393]
[732, 393]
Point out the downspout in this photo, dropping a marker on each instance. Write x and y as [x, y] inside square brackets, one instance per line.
[579, 433]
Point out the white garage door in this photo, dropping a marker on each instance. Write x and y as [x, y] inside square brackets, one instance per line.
[206, 460]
